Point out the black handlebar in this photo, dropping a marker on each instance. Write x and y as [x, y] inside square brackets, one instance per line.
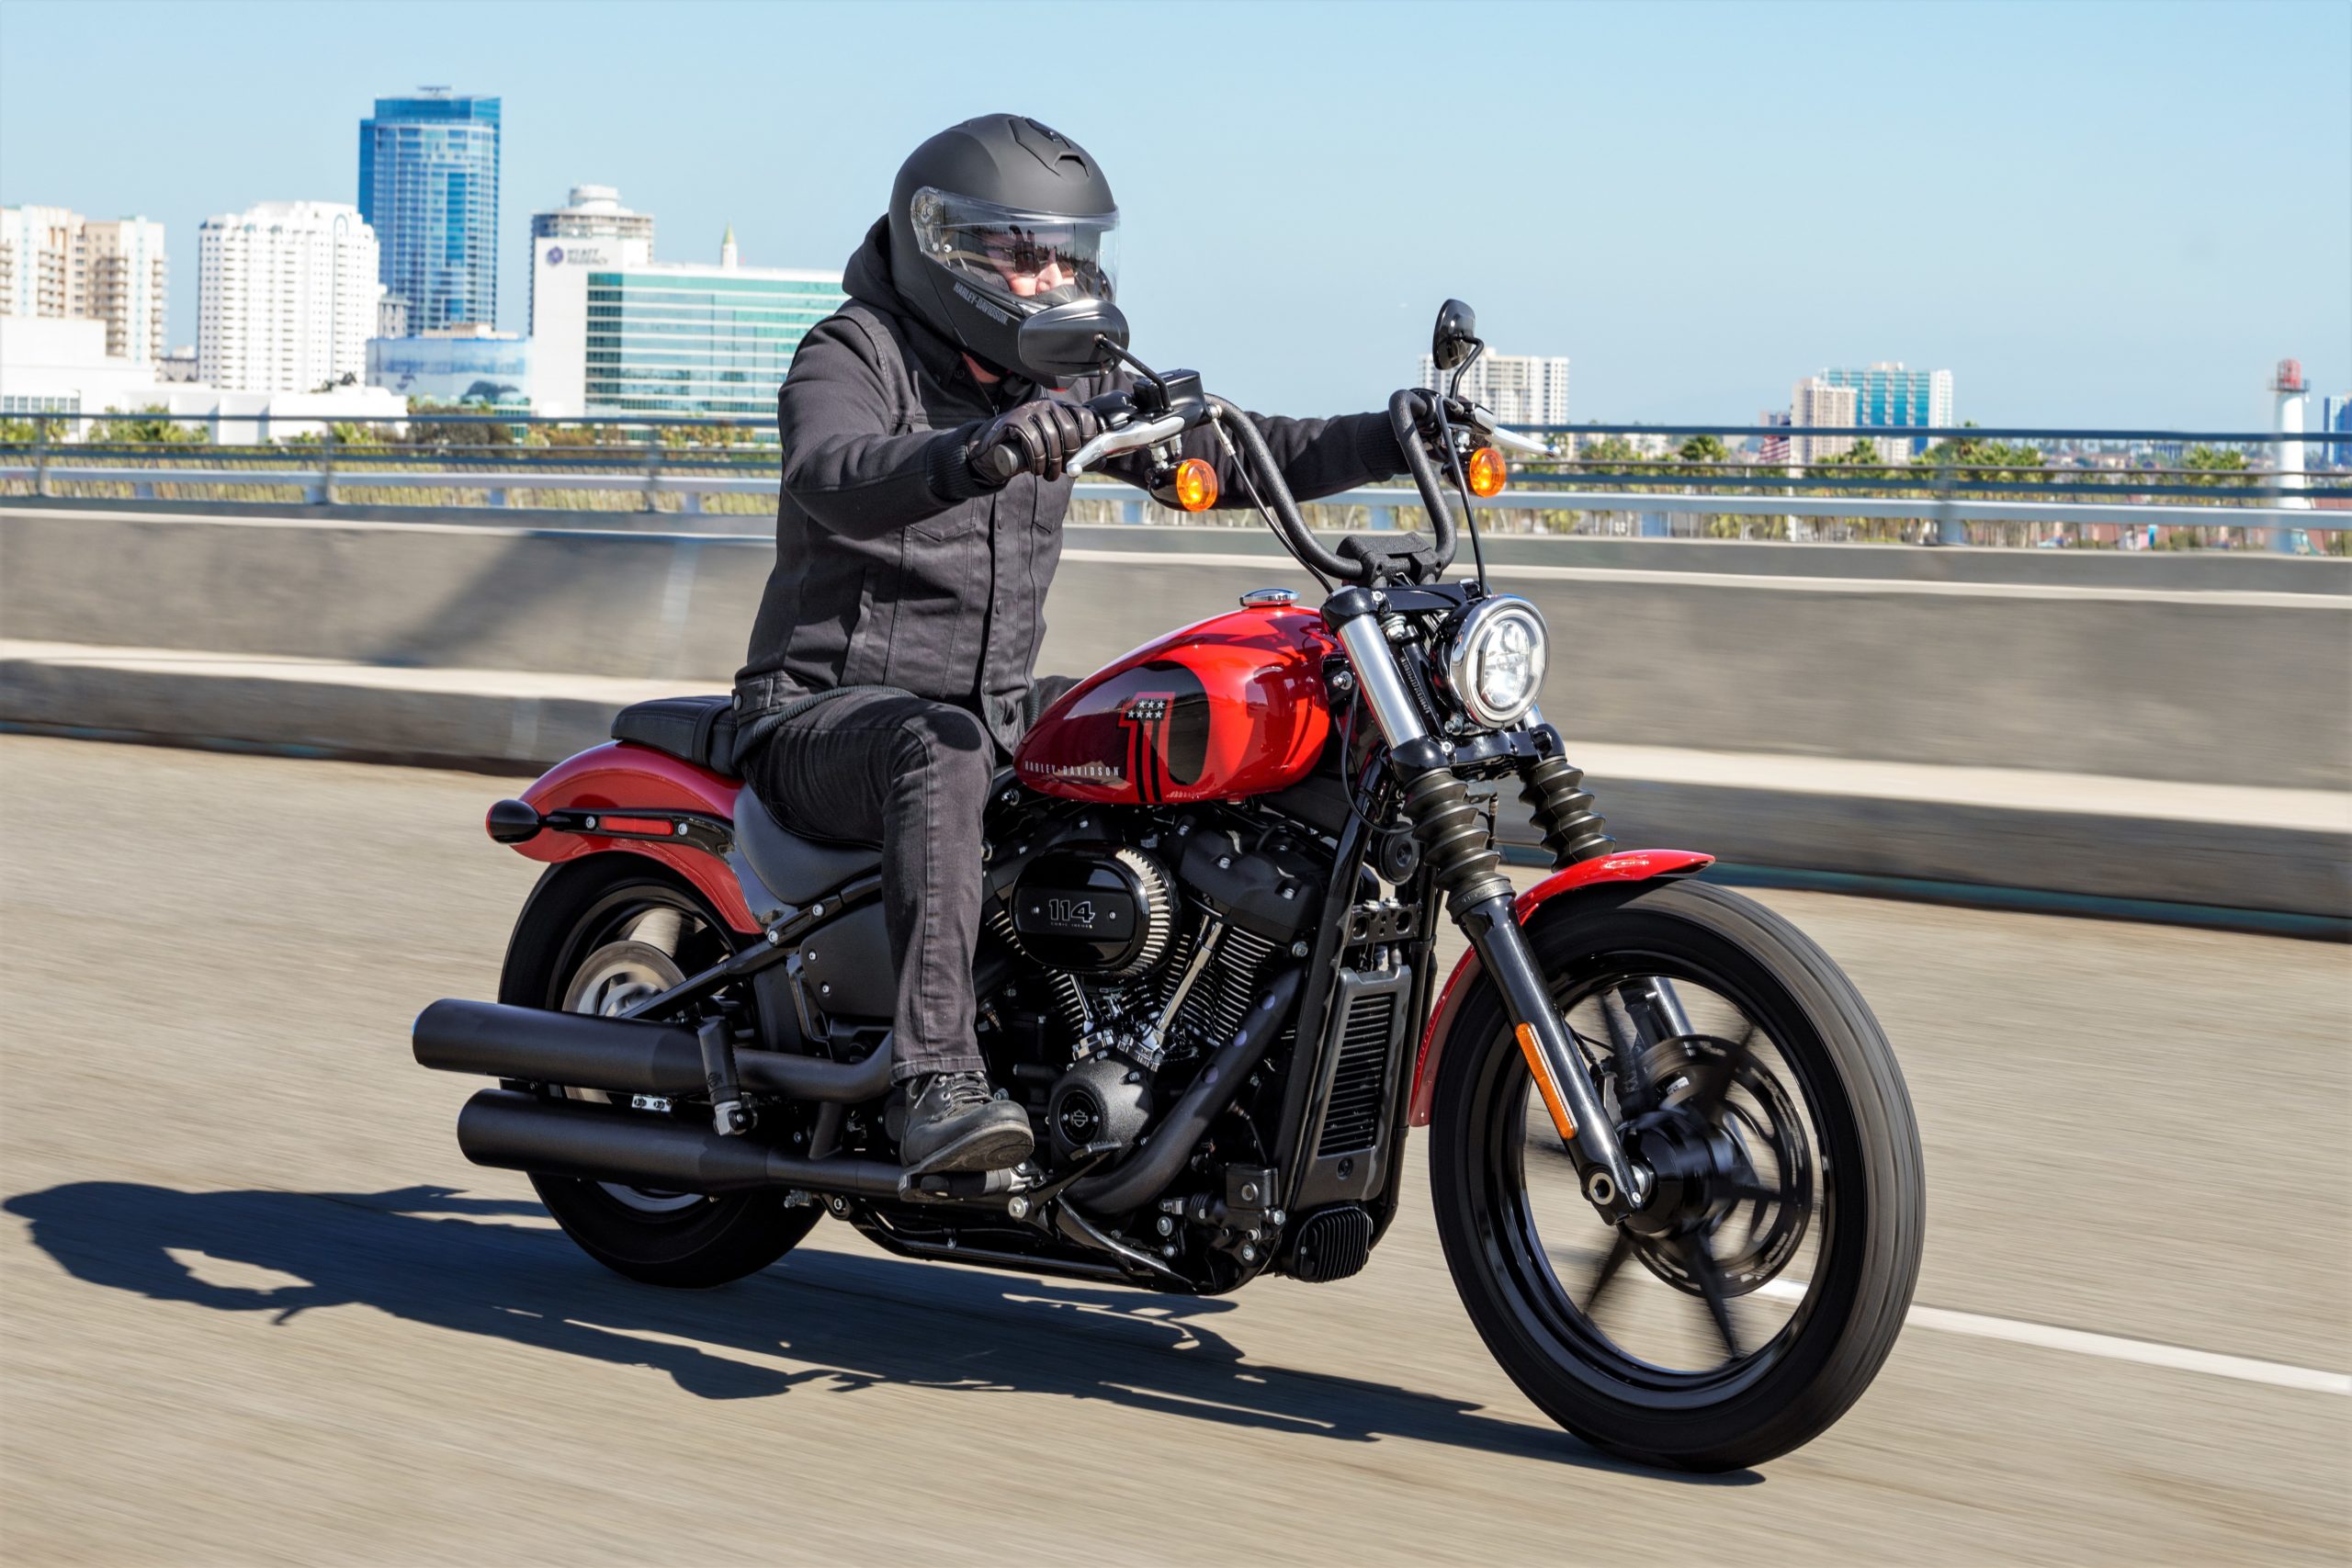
[1284, 508]
[1405, 410]
[1008, 456]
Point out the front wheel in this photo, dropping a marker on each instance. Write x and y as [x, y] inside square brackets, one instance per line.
[1756, 1294]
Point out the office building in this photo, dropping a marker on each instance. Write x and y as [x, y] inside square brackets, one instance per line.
[2334, 419]
[1817, 401]
[1522, 389]
[286, 296]
[593, 214]
[1887, 394]
[428, 185]
[58, 264]
[454, 364]
[615, 333]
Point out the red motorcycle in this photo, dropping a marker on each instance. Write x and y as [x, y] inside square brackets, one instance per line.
[1215, 874]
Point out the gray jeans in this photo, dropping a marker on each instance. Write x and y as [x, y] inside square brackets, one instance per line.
[878, 766]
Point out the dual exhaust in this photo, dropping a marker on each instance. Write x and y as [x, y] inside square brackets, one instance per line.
[517, 1131]
[514, 1131]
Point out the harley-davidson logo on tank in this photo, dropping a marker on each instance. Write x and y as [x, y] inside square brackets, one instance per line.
[1232, 706]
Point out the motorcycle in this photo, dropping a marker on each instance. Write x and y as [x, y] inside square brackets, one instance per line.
[1215, 876]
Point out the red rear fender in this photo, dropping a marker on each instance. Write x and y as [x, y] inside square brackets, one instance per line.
[617, 775]
[1628, 865]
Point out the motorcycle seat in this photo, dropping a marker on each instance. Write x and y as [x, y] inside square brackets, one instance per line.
[700, 730]
[794, 869]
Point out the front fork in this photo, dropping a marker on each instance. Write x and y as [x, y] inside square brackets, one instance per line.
[1461, 856]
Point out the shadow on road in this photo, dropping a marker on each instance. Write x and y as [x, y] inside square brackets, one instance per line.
[852, 1320]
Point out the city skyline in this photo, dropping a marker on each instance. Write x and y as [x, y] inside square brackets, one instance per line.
[2047, 318]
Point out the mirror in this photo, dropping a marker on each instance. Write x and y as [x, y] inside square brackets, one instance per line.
[1456, 337]
[1063, 341]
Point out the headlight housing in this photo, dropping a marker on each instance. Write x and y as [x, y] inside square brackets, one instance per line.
[1494, 660]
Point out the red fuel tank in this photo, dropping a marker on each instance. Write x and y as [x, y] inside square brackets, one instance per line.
[1231, 707]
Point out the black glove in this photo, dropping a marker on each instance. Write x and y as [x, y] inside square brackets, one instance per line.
[1037, 438]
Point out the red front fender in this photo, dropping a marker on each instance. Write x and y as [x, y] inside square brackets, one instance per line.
[618, 774]
[1629, 865]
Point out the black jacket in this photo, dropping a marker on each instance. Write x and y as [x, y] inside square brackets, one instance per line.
[894, 567]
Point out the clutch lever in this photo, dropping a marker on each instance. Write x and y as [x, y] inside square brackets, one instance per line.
[1483, 420]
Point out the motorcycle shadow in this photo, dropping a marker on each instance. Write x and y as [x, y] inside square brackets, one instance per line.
[851, 1320]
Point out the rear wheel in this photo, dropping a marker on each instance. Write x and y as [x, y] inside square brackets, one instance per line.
[598, 936]
[1755, 1298]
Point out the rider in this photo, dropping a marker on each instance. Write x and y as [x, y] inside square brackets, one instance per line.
[889, 669]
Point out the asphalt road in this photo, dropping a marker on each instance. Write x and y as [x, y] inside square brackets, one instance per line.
[258, 1310]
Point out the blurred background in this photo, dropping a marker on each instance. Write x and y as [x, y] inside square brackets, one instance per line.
[1948, 524]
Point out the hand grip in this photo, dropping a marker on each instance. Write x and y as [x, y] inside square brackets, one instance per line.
[1007, 458]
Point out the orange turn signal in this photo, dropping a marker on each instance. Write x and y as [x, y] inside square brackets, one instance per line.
[1487, 473]
[1195, 485]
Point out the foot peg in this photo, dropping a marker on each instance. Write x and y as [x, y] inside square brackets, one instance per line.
[729, 1115]
[960, 1186]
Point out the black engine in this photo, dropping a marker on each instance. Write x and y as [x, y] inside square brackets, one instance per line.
[1129, 945]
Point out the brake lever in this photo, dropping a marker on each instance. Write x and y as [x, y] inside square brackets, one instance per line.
[1123, 440]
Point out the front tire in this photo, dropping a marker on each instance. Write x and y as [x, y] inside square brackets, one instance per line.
[596, 935]
[1823, 1213]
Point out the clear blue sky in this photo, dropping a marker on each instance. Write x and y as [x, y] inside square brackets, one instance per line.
[2092, 214]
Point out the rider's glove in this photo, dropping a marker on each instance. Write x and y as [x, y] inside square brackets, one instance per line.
[1044, 433]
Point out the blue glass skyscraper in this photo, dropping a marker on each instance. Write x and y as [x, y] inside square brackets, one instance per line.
[428, 185]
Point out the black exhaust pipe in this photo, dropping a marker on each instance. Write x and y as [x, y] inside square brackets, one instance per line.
[1148, 1169]
[558, 1137]
[623, 1055]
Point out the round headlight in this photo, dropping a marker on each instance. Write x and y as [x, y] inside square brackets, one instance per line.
[1494, 665]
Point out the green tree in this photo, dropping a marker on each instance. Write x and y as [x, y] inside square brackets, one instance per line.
[1971, 457]
[452, 433]
[2211, 465]
[1703, 449]
[1862, 453]
[148, 432]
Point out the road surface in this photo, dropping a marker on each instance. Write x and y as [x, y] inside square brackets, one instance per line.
[258, 1309]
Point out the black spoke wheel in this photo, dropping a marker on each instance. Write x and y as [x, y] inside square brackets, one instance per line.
[1756, 1297]
[597, 935]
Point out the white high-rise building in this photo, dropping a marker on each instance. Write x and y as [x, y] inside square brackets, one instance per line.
[1814, 401]
[1520, 389]
[286, 296]
[593, 214]
[58, 264]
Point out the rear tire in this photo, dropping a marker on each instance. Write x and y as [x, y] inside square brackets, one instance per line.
[1866, 1220]
[684, 1240]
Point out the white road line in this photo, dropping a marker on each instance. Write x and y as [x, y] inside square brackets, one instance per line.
[2147, 1352]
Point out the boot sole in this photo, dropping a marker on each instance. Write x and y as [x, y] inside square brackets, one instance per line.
[982, 1148]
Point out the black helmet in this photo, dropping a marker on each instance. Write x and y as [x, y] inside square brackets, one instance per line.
[994, 221]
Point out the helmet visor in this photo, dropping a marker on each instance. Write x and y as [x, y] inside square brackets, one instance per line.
[1029, 258]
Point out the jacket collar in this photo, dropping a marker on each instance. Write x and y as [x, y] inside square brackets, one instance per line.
[866, 279]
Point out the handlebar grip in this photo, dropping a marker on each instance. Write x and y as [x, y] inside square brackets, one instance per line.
[1005, 460]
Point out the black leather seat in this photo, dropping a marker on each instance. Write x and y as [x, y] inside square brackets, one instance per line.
[794, 869]
[700, 730]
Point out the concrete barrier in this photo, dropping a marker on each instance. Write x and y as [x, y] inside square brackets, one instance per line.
[453, 638]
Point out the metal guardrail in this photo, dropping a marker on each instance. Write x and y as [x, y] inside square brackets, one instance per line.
[1949, 515]
[1947, 499]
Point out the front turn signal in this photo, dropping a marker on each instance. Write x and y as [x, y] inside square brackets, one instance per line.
[1488, 473]
[1195, 485]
